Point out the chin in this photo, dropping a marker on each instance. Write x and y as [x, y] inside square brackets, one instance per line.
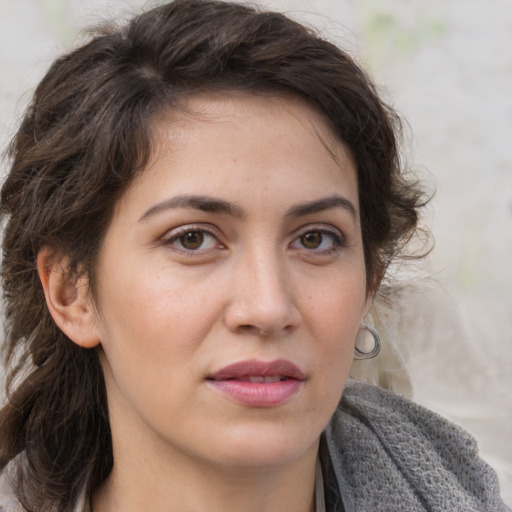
[264, 446]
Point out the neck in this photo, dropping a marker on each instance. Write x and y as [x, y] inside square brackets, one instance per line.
[141, 483]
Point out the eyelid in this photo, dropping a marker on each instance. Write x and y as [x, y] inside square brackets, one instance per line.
[320, 227]
[340, 240]
[174, 234]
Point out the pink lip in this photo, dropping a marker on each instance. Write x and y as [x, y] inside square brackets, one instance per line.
[233, 382]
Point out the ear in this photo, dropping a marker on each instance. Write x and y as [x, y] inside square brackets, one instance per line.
[367, 305]
[68, 299]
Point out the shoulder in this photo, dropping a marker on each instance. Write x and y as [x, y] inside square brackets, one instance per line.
[10, 503]
[8, 500]
[387, 449]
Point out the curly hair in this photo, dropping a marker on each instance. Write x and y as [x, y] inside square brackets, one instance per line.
[83, 139]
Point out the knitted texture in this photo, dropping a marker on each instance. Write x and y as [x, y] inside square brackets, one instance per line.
[390, 454]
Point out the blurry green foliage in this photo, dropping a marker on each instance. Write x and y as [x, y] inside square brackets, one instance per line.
[388, 35]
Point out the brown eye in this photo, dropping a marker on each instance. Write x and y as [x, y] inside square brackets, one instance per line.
[319, 241]
[311, 240]
[191, 240]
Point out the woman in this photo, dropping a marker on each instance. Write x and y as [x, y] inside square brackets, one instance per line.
[200, 209]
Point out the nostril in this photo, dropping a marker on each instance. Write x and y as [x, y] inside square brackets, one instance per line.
[261, 319]
[247, 328]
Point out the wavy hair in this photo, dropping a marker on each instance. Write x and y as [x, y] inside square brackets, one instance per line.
[83, 139]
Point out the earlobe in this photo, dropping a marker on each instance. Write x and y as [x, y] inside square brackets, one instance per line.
[368, 305]
[68, 298]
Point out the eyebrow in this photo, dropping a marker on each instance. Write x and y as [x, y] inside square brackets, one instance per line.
[325, 203]
[202, 203]
[219, 206]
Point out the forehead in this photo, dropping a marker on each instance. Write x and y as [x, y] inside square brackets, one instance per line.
[248, 113]
[245, 145]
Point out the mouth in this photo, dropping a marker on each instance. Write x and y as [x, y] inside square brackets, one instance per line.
[273, 371]
[260, 378]
[258, 383]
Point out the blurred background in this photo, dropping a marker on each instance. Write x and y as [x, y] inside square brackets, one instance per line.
[446, 66]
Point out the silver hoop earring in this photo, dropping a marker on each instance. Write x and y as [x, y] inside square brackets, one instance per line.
[365, 354]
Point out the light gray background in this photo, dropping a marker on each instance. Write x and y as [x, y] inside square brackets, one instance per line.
[446, 65]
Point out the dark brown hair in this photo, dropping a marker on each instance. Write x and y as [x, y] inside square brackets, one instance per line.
[86, 135]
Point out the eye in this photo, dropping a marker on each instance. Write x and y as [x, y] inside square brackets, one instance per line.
[190, 239]
[318, 240]
[313, 240]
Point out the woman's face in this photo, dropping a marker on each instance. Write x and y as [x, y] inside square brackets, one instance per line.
[231, 285]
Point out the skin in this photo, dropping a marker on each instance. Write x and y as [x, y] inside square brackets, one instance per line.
[167, 313]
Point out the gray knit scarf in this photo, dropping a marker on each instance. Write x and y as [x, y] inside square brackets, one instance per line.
[383, 453]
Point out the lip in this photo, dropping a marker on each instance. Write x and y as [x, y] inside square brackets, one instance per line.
[232, 382]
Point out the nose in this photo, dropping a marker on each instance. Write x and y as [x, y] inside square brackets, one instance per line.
[262, 297]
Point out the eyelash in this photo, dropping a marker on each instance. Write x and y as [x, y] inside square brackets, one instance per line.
[338, 240]
[170, 240]
[175, 235]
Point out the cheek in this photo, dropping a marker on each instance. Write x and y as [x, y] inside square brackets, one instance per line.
[337, 308]
[152, 333]
[154, 320]
[333, 315]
